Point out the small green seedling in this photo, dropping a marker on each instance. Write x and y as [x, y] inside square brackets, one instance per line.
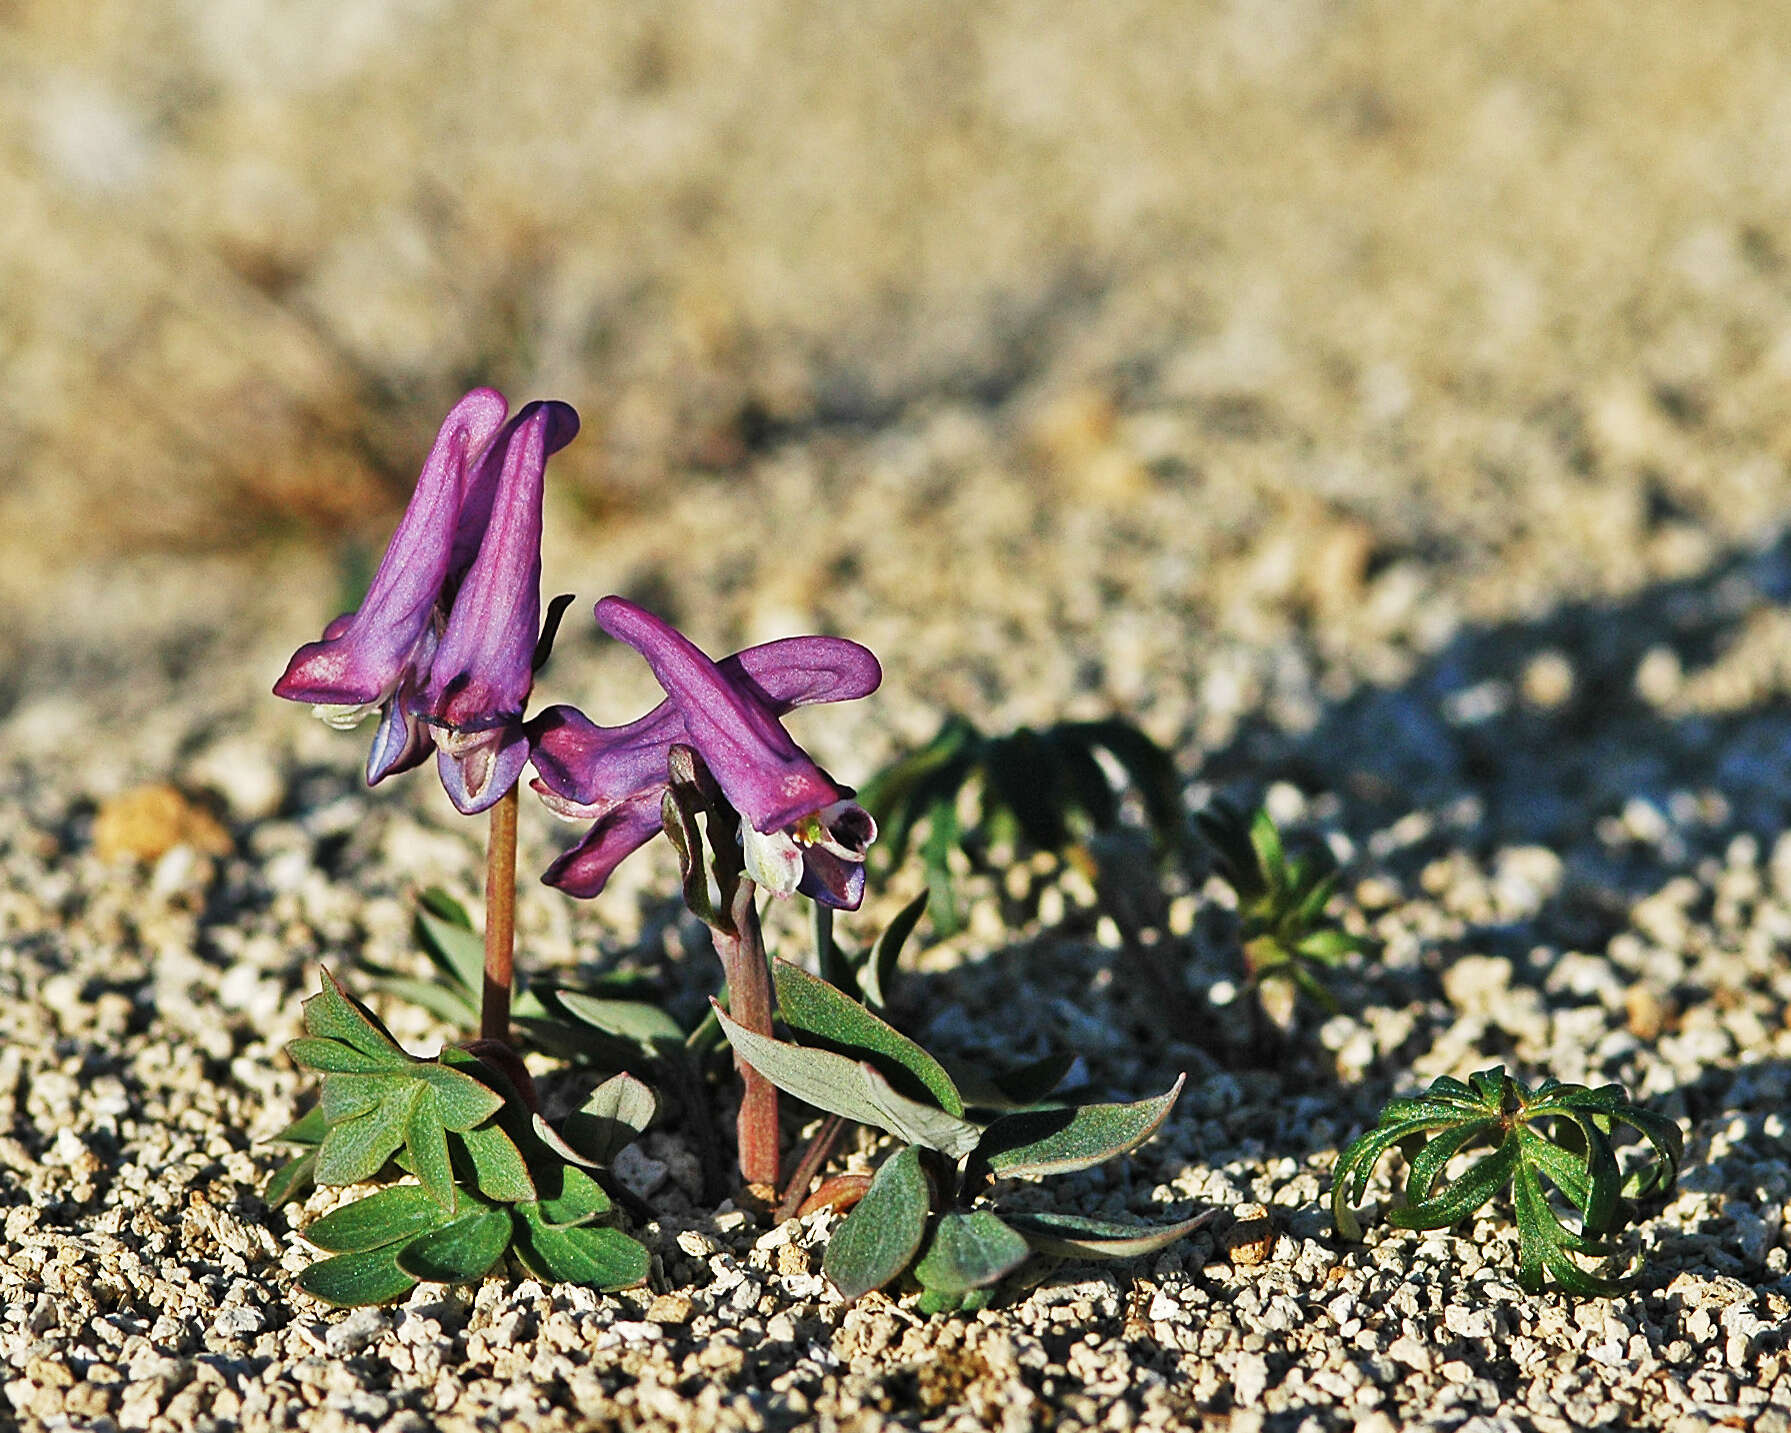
[1286, 935]
[925, 1213]
[491, 1176]
[1039, 789]
[1556, 1133]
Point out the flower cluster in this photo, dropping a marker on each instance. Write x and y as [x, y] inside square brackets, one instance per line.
[445, 649]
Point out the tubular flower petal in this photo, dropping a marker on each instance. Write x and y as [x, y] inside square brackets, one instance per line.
[480, 488]
[616, 775]
[483, 670]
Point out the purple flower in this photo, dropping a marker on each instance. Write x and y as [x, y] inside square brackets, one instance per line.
[442, 645]
[800, 832]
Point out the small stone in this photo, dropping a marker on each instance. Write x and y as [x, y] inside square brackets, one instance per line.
[1251, 1238]
[147, 822]
[669, 1309]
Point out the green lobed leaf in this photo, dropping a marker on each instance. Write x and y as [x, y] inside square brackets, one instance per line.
[1057, 1141]
[426, 1145]
[835, 1021]
[462, 1251]
[308, 1128]
[399, 1212]
[350, 1280]
[879, 1238]
[332, 1015]
[461, 1101]
[969, 1251]
[598, 1257]
[499, 1170]
[347, 1095]
[1078, 1236]
[1428, 1164]
[1543, 1244]
[570, 1197]
[309, 1052]
[358, 1148]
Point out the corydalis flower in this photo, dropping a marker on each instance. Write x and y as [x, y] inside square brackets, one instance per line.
[442, 646]
[800, 832]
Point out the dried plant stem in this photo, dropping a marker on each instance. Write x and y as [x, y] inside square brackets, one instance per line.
[749, 1002]
[819, 1150]
[500, 920]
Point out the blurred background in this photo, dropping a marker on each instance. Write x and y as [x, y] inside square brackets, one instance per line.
[1077, 329]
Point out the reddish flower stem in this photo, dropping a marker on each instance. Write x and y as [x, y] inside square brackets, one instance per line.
[500, 920]
[749, 1002]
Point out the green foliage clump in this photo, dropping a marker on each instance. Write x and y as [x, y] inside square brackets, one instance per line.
[926, 1212]
[1286, 933]
[1557, 1133]
[491, 1176]
[1038, 789]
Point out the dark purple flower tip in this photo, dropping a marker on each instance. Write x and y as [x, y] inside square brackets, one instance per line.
[364, 656]
[768, 778]
[618, 834]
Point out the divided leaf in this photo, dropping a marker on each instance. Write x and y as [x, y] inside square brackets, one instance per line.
[390, 1216]
[350, 1280]
[601, 1258]
[461, 1251]
[332, 1014]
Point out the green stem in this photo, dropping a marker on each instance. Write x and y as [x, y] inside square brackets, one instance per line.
[500, 920]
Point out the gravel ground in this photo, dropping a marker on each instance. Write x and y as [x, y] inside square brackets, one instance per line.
[1384, 408]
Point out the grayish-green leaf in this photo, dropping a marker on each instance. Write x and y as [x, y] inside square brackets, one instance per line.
[880, 963]
[1056, 1141]
[499, 1170]
[969, 1251]
[617, 1113]
[880, 1236]
[636, 1021]
[1077, 1236]
[827, 1081]
[831, 1018]
[309, 1052]
[914, 1121]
